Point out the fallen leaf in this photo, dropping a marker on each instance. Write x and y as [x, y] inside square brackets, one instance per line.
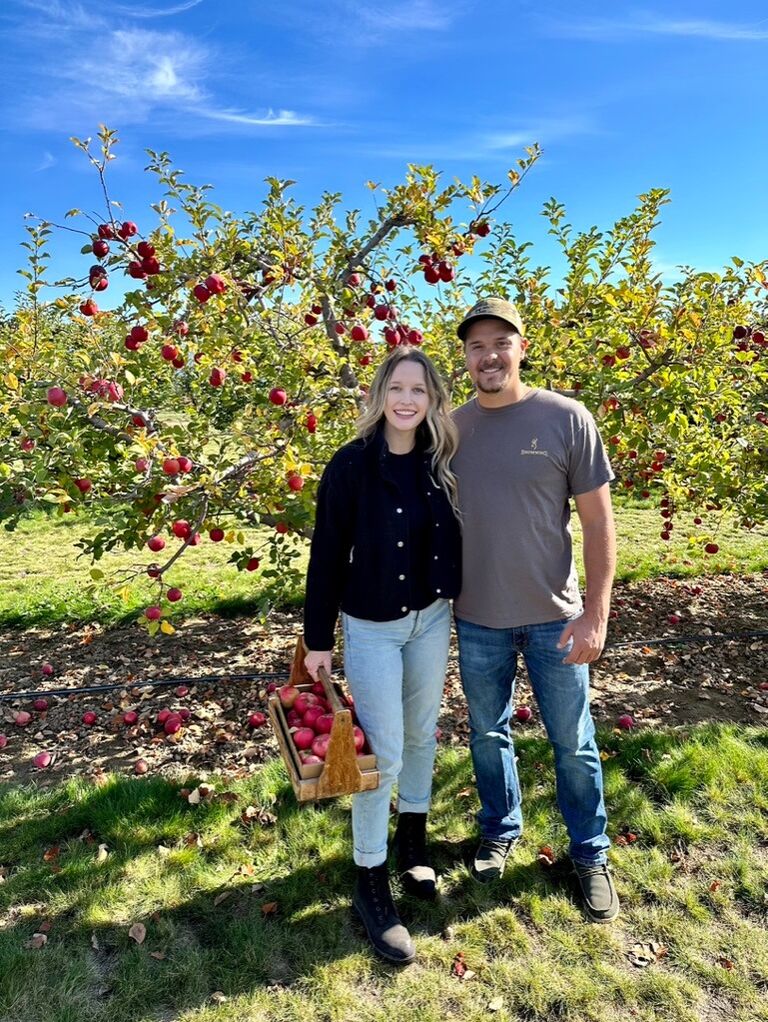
[36, 941]
[51, 854]
[159, 955]
[714, 885]
[102, 854]
[269, 908]
[458, 965]
[218, 997]
[163, 851]
[221, 897]
[94, 942]
[644, 954]
[193, 839]
[228, 797]
[496, 1004]
[726, 963]
[45, 926]
[138, 932]
[546, 857]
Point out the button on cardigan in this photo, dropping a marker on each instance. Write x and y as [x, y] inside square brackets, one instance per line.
[360, 545]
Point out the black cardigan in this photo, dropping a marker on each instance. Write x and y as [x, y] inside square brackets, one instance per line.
[359, 559]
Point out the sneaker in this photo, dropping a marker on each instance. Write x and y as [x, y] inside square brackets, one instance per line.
[601, 902]
[491, 858]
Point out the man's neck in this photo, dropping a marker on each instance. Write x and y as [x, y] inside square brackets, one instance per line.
[509, 396]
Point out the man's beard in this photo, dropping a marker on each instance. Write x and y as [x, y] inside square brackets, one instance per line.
[495, 386]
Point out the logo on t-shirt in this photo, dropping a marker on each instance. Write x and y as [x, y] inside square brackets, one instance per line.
[534, 448]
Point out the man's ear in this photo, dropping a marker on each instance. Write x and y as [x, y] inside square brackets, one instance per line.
[523, 348]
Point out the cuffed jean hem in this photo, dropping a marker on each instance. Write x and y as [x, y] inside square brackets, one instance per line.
[404, 806]
[601, 860]
[369, 859]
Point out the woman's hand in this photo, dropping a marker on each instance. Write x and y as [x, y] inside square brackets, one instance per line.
[315, 659]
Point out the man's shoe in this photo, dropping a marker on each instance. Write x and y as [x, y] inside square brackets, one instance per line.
[601, 902]
[373, 902]
[410, 842]
[491, 858]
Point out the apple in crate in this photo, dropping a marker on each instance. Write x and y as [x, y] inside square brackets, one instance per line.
[288, 696]
[293, 718]
[320, 745]
[324, 723]
[304, 701]
[359, 737]
[308, 758]
[303, 738]
[310, 717]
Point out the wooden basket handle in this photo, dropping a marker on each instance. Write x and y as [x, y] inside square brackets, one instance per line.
[330, 692]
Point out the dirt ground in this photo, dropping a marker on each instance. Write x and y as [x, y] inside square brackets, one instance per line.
[659, 684]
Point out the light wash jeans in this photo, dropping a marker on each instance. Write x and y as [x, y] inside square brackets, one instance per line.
[488, 661]
[396, 672]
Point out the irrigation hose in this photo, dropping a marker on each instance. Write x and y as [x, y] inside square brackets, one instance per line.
[670, 640]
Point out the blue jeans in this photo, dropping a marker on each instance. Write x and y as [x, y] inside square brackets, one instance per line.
[488, 661]
[396, 672]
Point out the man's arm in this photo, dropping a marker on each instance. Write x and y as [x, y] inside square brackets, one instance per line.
[599, 543]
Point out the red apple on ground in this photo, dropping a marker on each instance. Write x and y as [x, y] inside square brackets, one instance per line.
[162, 716]
[3, 741]
[711, 548]
[523, 713]
[674, 619]
[89, 718]
[41, 705]
[47, 670]
[181, 691]
[626, 721]
[22, 718]
[172, 724]
[185, 713]
[257, 719]
[42, 760]
[130, 717]
[140, 766]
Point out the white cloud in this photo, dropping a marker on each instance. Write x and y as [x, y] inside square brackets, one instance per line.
[415, 15]
[610, 29]
[281, 118]
[152, 12]
[46, 163]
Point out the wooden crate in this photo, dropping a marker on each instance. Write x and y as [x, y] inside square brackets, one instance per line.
[343, 772]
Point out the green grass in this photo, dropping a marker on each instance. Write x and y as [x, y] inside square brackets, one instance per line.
[43, 583]
[694, 881]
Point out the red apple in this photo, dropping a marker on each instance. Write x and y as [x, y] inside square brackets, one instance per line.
[22, 718]
[626, 721]
[523, 713]
[674, 619]
[89, 307]
[130, 717]
[320, 745]
[282, 528]
[252, 564]
[156, 543]
[169, 352]
[56, 396]
[309, 757]
[310, 716]
[359, 737]
[127, 229]
[171, 466]
[711, 548]
[257, 719]
[3, 741]
[217, 377]
[27, 444]
[83, 485]
[304, 700]
[180, 528]
[215, 284]
[41, 705]
[153, 613]
[106, 231]
[295, 483]
[174, 595]
[140, 766]
[185, 713]
[288, 696]
[201, 292]
[42, 760]
[216, 535]
[303, 738]
[47, 670]
[324, 724]
[89, 718]
[278, 396]
[172, 724]
[162, 716]
[311, 423]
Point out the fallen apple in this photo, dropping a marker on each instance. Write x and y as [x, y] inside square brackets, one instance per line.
[130, 717]
[140, 766]
[42, 760]
[626, 721]
[3, 741]
[22, 718]
[40, 705]
[172, 724]
[89, 718]
[257, 719]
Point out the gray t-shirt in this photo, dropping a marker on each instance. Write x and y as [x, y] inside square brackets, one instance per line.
[517, 466]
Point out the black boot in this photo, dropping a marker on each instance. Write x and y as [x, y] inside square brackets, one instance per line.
[410, 842]
[373, 902]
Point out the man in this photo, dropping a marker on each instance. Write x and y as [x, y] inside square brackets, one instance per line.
[523, 453]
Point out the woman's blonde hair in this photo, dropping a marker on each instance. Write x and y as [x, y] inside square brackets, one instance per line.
[437, 432]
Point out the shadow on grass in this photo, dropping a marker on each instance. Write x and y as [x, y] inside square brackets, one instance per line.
[297, 922]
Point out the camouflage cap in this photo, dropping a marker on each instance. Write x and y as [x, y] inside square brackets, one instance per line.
[498, 308]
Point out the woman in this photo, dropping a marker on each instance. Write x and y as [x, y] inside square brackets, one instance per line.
[386, 551]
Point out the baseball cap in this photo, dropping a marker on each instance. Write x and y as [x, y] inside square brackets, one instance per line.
[499, 308]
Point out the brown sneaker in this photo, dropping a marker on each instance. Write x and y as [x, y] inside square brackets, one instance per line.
[601, 903]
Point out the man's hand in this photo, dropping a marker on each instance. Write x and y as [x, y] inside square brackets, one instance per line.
[315, 659]
[588, 637]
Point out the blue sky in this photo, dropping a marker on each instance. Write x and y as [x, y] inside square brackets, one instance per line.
[332, 93]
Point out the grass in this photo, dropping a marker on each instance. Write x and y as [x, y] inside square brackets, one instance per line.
[694, 882]
[43, 583]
